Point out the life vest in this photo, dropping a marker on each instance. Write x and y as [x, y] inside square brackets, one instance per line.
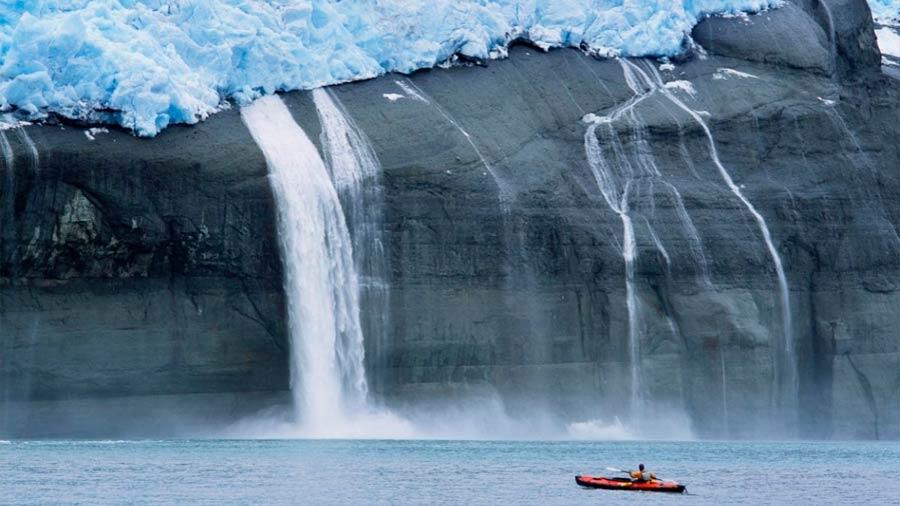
[642, 476]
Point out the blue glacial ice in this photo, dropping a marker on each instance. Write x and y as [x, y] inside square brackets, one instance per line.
[146, 64]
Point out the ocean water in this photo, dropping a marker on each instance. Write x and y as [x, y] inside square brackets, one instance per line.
[440, 472]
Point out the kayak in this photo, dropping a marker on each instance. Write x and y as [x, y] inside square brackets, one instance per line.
[626, 484]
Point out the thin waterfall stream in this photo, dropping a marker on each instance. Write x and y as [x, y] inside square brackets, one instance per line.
[786, 378]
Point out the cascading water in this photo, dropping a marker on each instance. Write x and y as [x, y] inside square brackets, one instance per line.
[327, 373]
[328, 378]
[786, 379]
[356, 171]
[616, 194]
[618, 174]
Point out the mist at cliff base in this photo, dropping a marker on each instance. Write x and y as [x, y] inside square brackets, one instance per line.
[475, 418]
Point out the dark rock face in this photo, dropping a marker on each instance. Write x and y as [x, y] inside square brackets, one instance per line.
[853, 35]
[788, 36]
[138, 274]
[825, 36]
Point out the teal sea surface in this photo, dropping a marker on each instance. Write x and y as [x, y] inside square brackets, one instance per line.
[440, 472]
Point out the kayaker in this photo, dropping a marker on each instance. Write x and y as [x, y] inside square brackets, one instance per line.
[641, 474]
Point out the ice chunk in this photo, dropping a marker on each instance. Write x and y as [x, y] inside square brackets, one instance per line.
[146, 64]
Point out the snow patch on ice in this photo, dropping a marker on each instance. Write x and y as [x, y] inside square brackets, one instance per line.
[681, 85]
[725, 73]
[146, 64]
[91, 133]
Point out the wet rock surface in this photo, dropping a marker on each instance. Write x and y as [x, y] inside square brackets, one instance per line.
[149, 269]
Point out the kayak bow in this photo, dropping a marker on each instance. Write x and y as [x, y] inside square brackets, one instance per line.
[626, 484]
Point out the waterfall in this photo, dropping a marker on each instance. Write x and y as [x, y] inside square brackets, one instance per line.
[321, 286]
[786, 378]
[618, 174]
[616, 194]
[356, 172]
[614, 180]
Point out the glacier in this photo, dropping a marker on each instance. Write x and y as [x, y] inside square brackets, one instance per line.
[147, 64]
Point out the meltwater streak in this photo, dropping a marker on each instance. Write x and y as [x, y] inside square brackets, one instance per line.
[786, 380]
[614, 180]
[416, 93]
[616, 196]
[34, 160]
[327, 373]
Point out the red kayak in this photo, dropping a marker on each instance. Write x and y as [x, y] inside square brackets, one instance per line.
[626, 484]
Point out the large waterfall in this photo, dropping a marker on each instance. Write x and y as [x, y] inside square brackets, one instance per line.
[327, 374]
[322, 284]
